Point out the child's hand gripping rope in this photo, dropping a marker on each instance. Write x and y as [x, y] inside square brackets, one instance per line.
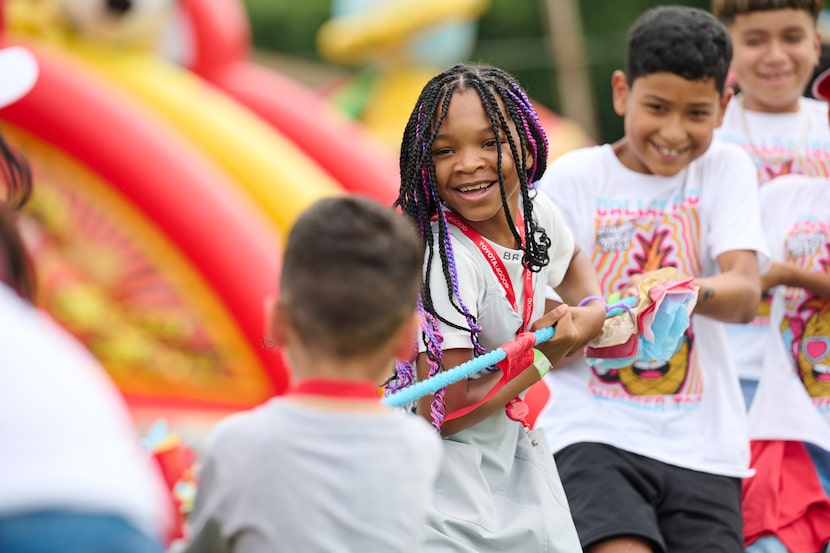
[511, 357]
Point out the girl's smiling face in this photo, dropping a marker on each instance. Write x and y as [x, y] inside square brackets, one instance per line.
[465, 153]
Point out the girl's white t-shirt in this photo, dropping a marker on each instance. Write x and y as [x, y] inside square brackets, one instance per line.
[482, 294]
[686, 411]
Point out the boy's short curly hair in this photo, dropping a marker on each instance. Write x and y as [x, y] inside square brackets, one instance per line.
[688, 42]
[727, 10]
[351, 275]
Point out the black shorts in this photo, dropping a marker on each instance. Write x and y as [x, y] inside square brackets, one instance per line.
[615, 493]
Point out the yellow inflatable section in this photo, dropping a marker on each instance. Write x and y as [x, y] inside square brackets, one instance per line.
[282, 179]
[351, 39]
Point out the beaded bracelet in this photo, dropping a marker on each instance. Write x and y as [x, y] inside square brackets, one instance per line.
[615, 308]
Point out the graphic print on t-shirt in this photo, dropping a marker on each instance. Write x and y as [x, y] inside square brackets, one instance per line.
[779, 160]
[806, 326]
[632, 239]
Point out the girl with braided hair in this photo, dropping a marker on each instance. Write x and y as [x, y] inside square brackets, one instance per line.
[472, 149]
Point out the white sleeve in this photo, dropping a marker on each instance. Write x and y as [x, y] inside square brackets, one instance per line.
[734, 204]
[562, 243]
[571, 187]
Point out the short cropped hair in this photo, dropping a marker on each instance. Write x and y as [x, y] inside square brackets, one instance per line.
[727, 10]
[688, 42]
[351, 275]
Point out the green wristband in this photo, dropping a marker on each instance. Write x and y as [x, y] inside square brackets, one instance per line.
[541, 363]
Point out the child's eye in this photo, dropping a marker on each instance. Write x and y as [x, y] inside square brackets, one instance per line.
[441, 152]
[754, 41]
[492, 143]
[793, 38]
[699, 113]
[657, 108]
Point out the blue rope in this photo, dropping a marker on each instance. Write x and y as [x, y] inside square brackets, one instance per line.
[443, 379]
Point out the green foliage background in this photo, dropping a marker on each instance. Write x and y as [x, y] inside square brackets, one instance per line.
[511, 35]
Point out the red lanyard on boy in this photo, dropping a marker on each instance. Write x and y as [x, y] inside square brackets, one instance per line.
[516, 409]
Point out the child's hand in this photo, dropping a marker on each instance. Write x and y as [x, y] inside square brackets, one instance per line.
[632, 288]
[566, 336]
[588, 320]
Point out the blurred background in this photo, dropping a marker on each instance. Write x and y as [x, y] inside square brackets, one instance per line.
[571, 76]
[174, 142]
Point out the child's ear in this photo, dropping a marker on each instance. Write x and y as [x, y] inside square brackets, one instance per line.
[619, 92]
[817, 47]
[275, 320]
[727, 95]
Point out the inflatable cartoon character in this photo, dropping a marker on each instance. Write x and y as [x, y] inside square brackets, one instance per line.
[134, 23]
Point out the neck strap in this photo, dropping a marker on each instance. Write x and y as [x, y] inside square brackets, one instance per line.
[326, 387]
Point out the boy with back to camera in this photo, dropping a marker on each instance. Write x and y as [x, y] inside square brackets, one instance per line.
[776, 50]
[652, 454]
[327, 467]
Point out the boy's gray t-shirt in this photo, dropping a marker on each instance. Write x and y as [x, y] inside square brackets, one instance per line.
[285, 477]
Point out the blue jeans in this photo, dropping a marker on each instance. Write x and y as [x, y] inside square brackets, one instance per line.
[72, 532]
[771, 544]
[748, 389]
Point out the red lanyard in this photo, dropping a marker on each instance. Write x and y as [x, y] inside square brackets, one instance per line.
[498, 268]
[351, 389]
[516, 409]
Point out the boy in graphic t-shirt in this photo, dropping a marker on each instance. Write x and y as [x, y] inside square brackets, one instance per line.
[651, 455]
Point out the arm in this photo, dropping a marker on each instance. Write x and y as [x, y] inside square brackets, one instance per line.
[786, 274]
[733, 295]
[580, 282]
[470, 391]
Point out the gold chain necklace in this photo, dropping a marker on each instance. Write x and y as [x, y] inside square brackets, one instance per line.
[795, 153]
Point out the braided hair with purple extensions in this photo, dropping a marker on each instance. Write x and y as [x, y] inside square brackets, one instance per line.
[505, 102]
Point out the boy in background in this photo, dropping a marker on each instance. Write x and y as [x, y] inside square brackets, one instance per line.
[786, 504]
[776, 50]
[651, 455]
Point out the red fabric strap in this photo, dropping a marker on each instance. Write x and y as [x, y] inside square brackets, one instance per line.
[519, 357]
[325, 387]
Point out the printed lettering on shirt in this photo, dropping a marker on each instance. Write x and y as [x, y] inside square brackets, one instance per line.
[778, 159]
[634, 238]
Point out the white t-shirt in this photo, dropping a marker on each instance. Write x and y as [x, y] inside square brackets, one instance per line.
[497, 485]
[796, 214]
[686, 411]
[288, 477]
[67, 439]
[780, 144]
[481, 293]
